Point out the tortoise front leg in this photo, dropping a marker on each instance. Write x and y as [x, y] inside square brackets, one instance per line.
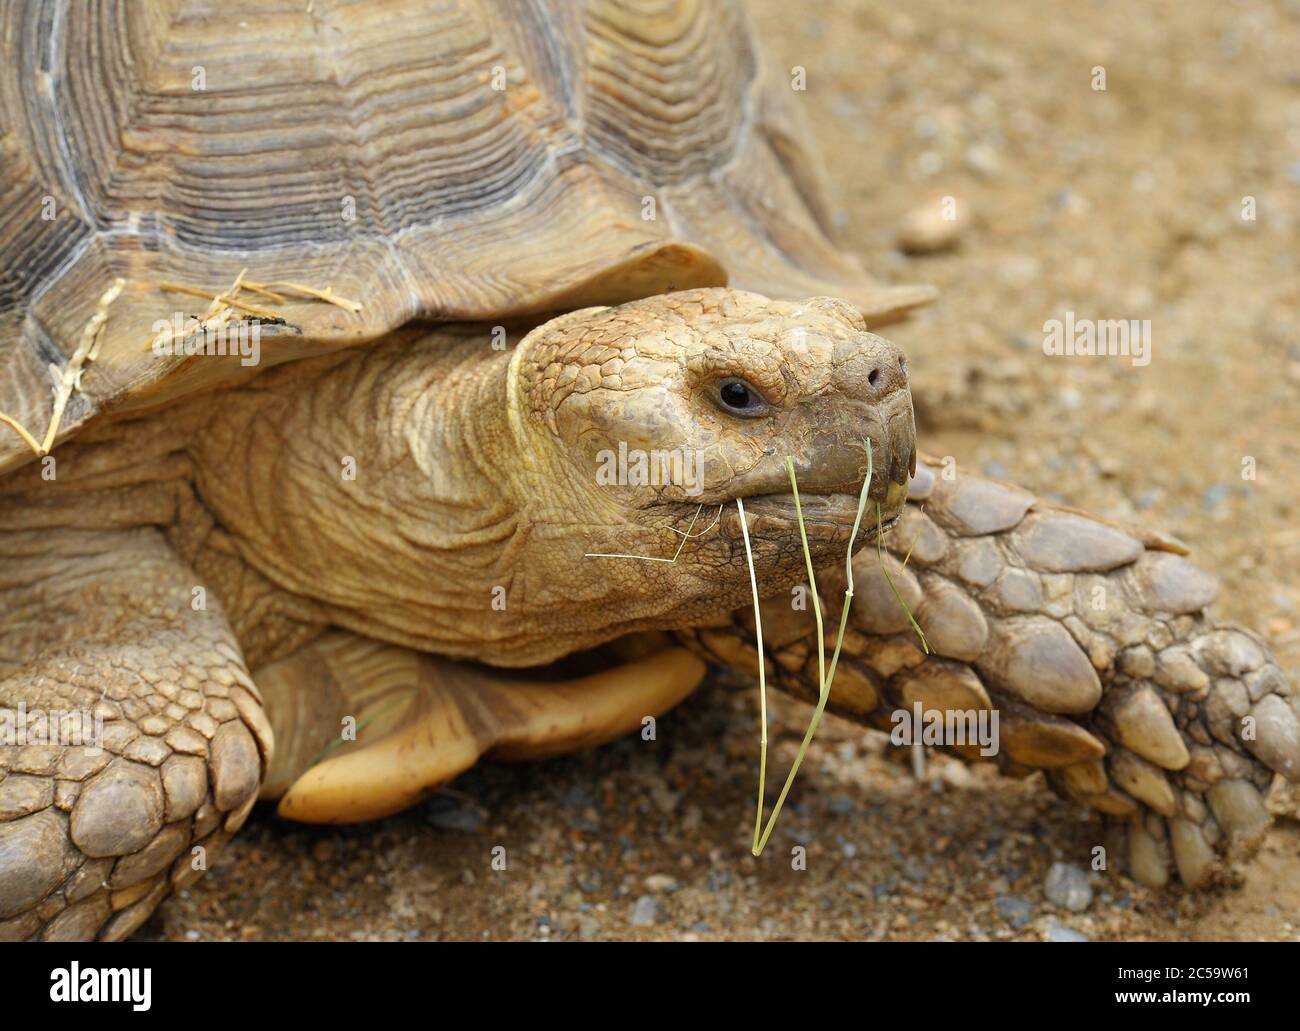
[1093, 645]
[132, 739]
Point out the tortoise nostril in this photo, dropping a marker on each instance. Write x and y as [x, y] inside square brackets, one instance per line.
[873, 376]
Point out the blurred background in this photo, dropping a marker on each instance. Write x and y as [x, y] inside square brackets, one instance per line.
[1125, 203]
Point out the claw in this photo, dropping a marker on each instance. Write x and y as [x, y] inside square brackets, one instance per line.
[1192, 853]
[1145, 727]
[1146, 856]
[1239, 809]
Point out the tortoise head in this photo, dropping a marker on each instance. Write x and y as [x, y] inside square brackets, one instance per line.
[485, 481]
[668, 409]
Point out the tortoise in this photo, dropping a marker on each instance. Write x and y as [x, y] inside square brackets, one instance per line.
[338, 577]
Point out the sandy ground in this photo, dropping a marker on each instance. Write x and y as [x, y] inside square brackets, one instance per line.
[1125, 203]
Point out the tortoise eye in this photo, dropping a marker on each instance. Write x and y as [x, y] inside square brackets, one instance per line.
[738, 397]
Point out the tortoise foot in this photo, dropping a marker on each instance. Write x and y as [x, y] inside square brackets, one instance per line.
[1091, 644]
[1194, 734]
[134, 742]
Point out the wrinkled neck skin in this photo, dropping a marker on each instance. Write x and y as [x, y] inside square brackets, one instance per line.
[405, 492]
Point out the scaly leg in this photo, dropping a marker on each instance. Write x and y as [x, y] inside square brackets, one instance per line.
[1093, 644]
[132, 739]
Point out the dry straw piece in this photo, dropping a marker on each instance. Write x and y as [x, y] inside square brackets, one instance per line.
[68, 379]
[220, 309]
[327, 295]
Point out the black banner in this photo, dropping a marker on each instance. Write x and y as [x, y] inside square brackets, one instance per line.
[143, 981]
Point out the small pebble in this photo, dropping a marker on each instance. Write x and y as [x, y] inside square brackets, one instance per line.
[1067, 885]
[1143, 181]
[1069, 201]
[580, 796]
[957, 775]
[983, 160]
[1214, 496]
[448, 813]
[1060, 933]
[1014, 910]
[933, 226]
[645, 913]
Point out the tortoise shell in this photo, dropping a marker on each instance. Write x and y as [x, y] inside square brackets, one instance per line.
[471, 160]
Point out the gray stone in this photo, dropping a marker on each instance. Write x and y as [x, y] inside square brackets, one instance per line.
[1060, 933]
[1014, 910]
[449, 813]
[1068, 885]
[645, 913]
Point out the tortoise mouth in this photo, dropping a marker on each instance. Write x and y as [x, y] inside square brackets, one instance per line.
[828, 518]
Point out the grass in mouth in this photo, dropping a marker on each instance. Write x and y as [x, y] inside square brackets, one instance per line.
[825, 676]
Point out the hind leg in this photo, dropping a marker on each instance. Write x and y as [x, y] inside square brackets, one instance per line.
[132, 739]
[1093, 645]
